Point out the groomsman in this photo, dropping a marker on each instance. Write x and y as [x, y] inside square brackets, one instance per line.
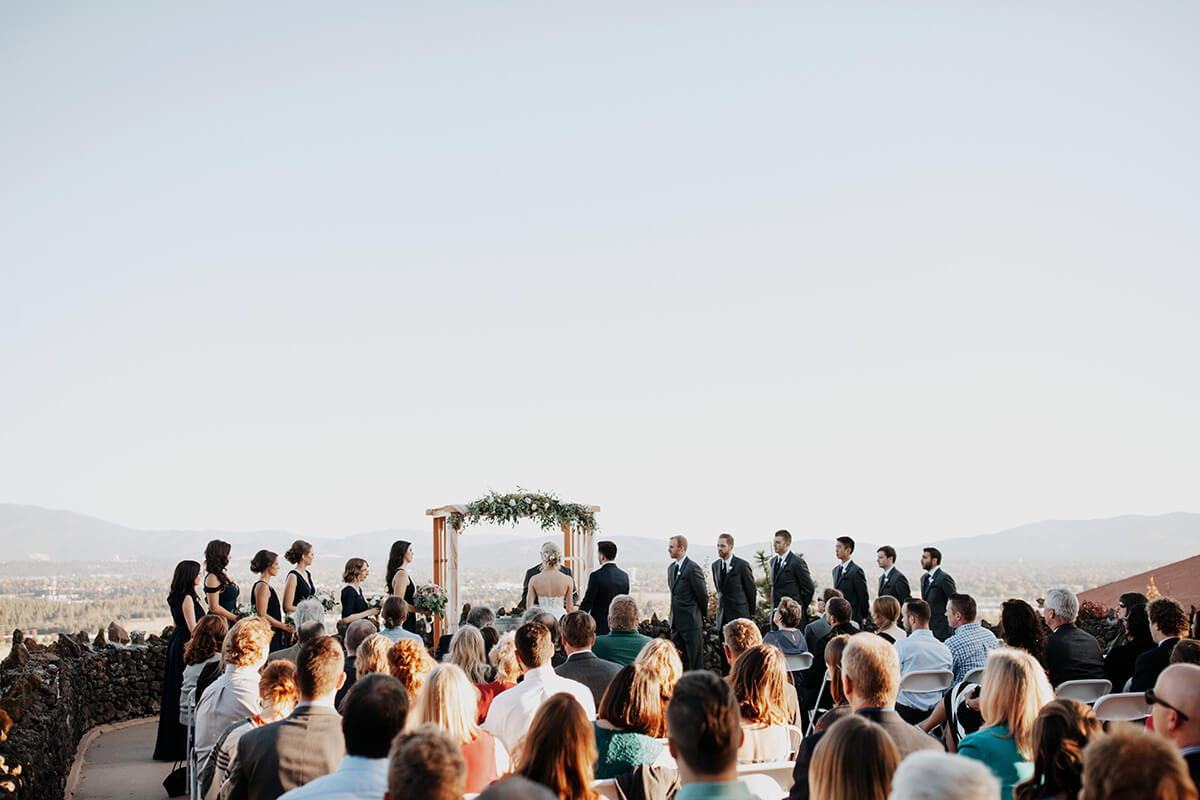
[737, 596]
[689, 603]
[850, 580]
[789, 575]
[892, 582]
[604, 584]
[936, 588]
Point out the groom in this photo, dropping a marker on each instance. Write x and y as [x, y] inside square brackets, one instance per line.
[534, 570]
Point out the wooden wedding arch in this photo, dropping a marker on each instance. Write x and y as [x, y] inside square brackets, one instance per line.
[576, 521]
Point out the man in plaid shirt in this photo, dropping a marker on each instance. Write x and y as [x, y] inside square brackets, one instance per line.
[971, 641]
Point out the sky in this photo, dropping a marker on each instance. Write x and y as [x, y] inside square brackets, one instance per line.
[897, 271]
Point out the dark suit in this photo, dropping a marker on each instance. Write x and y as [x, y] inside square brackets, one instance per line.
[1193, 762]
[894, 584]
[737, 596]
[1150, 663]
[790, 578]
[689, 605]
[1072, 655]
[851, 581]
[590, 670]
[936, 592]
[603, 585]
[529, 573]
[277, 758]
[1118, 664]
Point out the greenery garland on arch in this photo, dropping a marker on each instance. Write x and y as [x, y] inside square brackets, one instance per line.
[542, 507]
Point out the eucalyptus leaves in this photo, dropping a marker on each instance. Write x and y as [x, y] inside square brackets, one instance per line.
[542, 507]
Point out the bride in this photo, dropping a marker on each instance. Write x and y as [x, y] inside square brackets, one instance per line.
[550, 589]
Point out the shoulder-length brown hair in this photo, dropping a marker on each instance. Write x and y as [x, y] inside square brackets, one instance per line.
[632, 702]
[1060, 732]
[855, 758]
[206, 640]
[559, 749]
[353, 570]
[758, 679]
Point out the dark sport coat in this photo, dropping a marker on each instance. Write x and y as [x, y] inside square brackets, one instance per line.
[737, 596]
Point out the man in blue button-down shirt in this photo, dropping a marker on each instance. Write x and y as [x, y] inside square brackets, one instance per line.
[918, 651]
[971, 641]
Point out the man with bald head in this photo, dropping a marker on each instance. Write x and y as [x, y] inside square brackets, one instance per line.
[1176, 711]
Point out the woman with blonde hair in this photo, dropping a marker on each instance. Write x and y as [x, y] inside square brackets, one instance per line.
[372, 656]
[551, 590]
[758, 680]
[662, 657]
[1013, 695]
[504, 660]
[559, 749]
[449, 701]
[467, 652]
[855, 760]
[409, 663]
[885, 612]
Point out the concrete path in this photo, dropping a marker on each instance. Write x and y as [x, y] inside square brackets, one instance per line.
[114, 762]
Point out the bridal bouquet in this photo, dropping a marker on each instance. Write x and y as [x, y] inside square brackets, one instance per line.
[431, 598]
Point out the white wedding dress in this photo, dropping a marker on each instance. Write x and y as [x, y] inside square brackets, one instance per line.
[553, 606]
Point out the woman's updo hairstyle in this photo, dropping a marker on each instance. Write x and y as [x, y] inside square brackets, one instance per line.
[551, 556]
[297, 551]
[262, 560]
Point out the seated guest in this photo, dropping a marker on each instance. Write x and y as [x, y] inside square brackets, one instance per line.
[821, 626]
[355, 635]
[233, 697]
[1060, 732]
[516, 787]
[512, 710]
[309, 620]
[1118, 664]
[662, 658]
[1130, 763]
[930, 775]
[970, 642]
[409, 663]
[1021, 627]
[704, 732]
[838, 610]
[788, 638]
[490, 637]
[504, 660]
[448, 700]
[742, 634]
[833, 701]
[201, 659]
[394, 612]
[426, 763]
[559, 749]
[855, 759]
[1127, 601]
[918, 652]
[758, 678]
[578, 633]
[376, 710]
[466, 652]
[622, 643]
[1175, 709]
[1072, 654]
[1168, 624]
[480, 617]
[1013, 695]
[885, 613]
[279, 694]
[629, 722]
[277, 758]
[1186, 651]
[371, 657]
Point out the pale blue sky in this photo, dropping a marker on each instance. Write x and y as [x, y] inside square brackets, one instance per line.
[896, 271]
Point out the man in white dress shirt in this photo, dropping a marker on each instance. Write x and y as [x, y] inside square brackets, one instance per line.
[511, 712]
[920, 650]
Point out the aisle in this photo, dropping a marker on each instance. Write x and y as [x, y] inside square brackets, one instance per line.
[117, 764]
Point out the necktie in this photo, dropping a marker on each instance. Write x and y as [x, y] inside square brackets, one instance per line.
[724, 572]
[882, 581]
[924, 585]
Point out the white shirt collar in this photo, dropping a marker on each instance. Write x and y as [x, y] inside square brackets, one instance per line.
[887, 571]
[318, 701]
[782, 558]
[932, 572]
[539, 674]
[578, 652]
[679, 561]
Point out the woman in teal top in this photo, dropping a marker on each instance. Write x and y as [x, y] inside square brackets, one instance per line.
[1014, 690]
[629, 722]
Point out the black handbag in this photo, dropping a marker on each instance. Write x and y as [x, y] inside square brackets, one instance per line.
[176, 782]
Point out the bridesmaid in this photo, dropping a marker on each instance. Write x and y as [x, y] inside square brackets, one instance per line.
[298, 587]
[221, 592]
[398, 581]
[184, 603]
[266, 602]
[354, 605]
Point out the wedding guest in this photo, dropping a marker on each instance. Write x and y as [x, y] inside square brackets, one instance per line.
[354, 636]
[448, 700]
[1021, 627]
[202, 659]
[758, 677]
[787, 636]
[1187, 651]
[622, 643]
[466, 652]
[971, 642]
[1130, 763]
[1168, 624]
[235, 695]
[885, 613]
[490, 637]
[559, 749]
[1060, 732]
[171, 743]
[1118, 665]
[298, 586]
[503, 659]
[426, 763]
[819, 628]
[838, 611]
[920, 651]
[222, 593]
[1013, 695]
[931, 775]
[309, 622]
[484, 619]
[278, 695]
[409, 663]
[265, 564]
[540, 615]
[371, 657]
[662, 658]
[516, 787]
[606, 583]
[629, 722]
[855, 760]
[399, 582]
[354, 604]
[1072, 654]
[1175, 710]
[376, 711]
[395, 613]
[579, 632]
[834, 699]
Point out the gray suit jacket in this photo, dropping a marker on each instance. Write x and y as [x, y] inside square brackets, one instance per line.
[590, 670]
[277, 758]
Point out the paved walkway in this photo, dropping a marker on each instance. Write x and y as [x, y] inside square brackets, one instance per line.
[116, 763]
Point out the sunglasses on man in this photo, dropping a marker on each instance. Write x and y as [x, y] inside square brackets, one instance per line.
[1153, 699]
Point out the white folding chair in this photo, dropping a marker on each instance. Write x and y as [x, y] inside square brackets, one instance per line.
[1085, 691]
[974, 676]
[795, 738]
[778, 771]
[927, 680]
[1129, 706]
[816, 709]
[193, 763]
[798, 662]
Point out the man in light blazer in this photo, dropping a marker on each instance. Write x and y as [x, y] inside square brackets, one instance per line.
[850, 580]
[689, 603]
[892, 582]
[603, 585]
[936, 588]
[789, 575]
[277, 758]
